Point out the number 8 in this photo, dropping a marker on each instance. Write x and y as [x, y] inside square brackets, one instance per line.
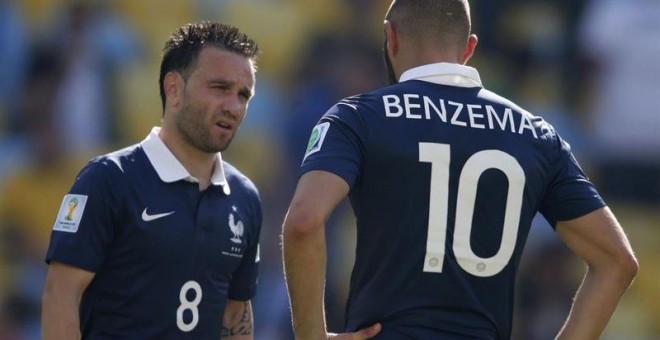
[191, 305]
[439, 156]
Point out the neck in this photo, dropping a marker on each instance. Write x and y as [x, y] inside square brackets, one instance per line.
[198, 163]
[419, 58]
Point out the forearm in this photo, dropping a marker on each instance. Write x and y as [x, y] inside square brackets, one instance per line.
[59, 317]
[595, 302]
[237, 322]
[304, 267]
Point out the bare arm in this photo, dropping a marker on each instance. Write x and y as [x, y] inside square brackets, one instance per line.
[305, 254]
[237, 321]
[65, 285]
[611, 266]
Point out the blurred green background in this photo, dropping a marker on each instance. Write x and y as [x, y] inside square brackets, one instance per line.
[80, 78]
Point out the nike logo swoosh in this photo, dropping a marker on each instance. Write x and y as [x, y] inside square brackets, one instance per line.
[147, 218]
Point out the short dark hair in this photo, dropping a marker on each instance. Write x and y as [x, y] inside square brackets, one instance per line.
[184, 45]
[432, 21]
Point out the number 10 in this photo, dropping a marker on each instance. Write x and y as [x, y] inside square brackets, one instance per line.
[439, 157]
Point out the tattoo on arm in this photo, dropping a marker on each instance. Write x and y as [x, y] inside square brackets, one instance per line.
[240, 325]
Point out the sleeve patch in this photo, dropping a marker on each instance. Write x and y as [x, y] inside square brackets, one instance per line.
[316, 139]
[70, 214]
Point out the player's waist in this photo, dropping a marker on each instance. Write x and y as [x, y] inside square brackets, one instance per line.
[431, 323]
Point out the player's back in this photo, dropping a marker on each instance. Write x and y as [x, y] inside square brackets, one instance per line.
[451, 179]
[445, 178]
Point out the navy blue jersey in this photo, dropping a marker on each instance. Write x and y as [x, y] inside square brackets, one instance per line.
[445, 178]
[167, 256]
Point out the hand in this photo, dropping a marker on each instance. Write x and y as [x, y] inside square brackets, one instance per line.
[364, 333]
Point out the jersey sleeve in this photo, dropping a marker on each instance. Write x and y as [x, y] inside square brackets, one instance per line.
[570, 193]
[243, 285]
[84, 227]
[336, 144]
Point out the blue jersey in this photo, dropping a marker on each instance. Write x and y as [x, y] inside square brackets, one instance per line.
[166, 256]
[445, 178]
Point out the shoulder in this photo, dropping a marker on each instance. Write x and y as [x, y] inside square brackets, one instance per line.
[364, 103]
[244, 192]
[358, 104]
[118, 160]
[113, 163]
[238, 181]
[352, 111]
[545, 130]
[109, 169]
[126, 157]
[496, 99]
[103, 176]
[369, 101]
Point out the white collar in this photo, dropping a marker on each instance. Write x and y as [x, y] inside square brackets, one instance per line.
[169, 168]
[445, 74]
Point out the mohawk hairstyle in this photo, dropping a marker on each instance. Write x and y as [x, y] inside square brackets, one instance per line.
[184, 45]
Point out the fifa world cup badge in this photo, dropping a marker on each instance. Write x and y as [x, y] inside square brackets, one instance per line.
[316, 139]
[70, 214]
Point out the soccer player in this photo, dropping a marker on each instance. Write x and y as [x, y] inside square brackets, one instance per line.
[160, 240]
[444, 178]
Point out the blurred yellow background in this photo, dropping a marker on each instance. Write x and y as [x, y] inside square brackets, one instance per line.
[80, 78]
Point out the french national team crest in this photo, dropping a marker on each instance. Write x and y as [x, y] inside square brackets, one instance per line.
[236, 227]
[71, 211]
[316, 138]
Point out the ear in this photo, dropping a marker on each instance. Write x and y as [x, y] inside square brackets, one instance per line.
[173, 84]
[469, 49]
[391, 39]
